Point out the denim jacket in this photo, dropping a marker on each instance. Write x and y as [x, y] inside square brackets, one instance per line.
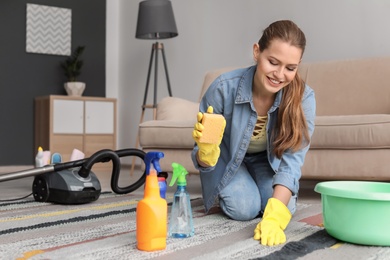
[231, 95]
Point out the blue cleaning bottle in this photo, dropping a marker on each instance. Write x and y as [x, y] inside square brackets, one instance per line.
[180, 223]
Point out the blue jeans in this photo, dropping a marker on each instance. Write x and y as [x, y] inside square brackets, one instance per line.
[246, 196]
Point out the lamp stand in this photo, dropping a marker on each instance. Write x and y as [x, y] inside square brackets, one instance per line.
[156, 47]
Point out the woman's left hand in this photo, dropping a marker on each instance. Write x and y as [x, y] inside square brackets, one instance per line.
[270, 230]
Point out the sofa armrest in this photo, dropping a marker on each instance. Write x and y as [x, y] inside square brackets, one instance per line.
[175, 120]
[173, 134]
[174, 108]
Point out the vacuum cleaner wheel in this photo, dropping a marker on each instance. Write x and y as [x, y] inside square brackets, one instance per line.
[40, 189]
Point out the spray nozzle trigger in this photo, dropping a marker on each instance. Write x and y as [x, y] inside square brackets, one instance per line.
[179, 173]
[153, 158]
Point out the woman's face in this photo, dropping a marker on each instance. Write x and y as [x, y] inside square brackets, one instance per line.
[276, 66]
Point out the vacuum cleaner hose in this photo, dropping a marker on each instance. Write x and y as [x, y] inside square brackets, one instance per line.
[106, 155]
[85, 169]
[115, 175]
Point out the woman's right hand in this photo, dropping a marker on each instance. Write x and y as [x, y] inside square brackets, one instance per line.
[208, 154]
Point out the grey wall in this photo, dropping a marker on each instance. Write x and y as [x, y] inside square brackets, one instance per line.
[24, 76]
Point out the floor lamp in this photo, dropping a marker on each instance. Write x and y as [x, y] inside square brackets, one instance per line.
[155, 21]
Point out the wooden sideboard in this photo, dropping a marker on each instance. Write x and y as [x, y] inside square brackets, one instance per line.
[63, 123]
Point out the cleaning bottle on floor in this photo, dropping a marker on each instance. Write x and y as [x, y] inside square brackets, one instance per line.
[180, 222]
[152, 210]
[162, 182]
[39, 158]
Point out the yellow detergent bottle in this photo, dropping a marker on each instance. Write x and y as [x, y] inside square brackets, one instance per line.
[152, 210]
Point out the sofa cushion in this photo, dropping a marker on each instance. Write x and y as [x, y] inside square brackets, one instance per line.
[174, 108]
[349, 87]
[352, 132]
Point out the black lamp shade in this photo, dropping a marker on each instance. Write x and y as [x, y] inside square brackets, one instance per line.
[156, 20]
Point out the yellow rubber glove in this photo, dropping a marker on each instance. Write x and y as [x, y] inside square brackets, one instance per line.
[275, 219]
[208, 153]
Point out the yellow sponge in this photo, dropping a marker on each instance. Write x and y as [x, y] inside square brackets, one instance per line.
[214, 125]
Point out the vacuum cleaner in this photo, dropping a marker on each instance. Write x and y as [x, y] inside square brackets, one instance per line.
[74, 182]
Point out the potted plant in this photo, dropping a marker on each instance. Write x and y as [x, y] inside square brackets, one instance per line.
[72, 69]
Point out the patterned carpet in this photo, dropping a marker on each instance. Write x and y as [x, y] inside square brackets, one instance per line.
[105, 229]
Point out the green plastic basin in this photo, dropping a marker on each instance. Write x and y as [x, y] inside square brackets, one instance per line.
[356, 211]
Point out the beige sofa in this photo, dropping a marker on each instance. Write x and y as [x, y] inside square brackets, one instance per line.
[351, 140]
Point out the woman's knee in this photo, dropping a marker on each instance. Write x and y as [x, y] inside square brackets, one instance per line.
[240, 208]
[241, 200]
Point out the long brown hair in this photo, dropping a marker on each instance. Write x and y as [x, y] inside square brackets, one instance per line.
[291, 130]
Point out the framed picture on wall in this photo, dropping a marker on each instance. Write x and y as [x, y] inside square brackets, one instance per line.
[48, 30]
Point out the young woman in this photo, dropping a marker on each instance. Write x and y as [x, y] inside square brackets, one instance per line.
[269, 113]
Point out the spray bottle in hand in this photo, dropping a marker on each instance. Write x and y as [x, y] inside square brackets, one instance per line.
[180, 222]
[152, 209]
